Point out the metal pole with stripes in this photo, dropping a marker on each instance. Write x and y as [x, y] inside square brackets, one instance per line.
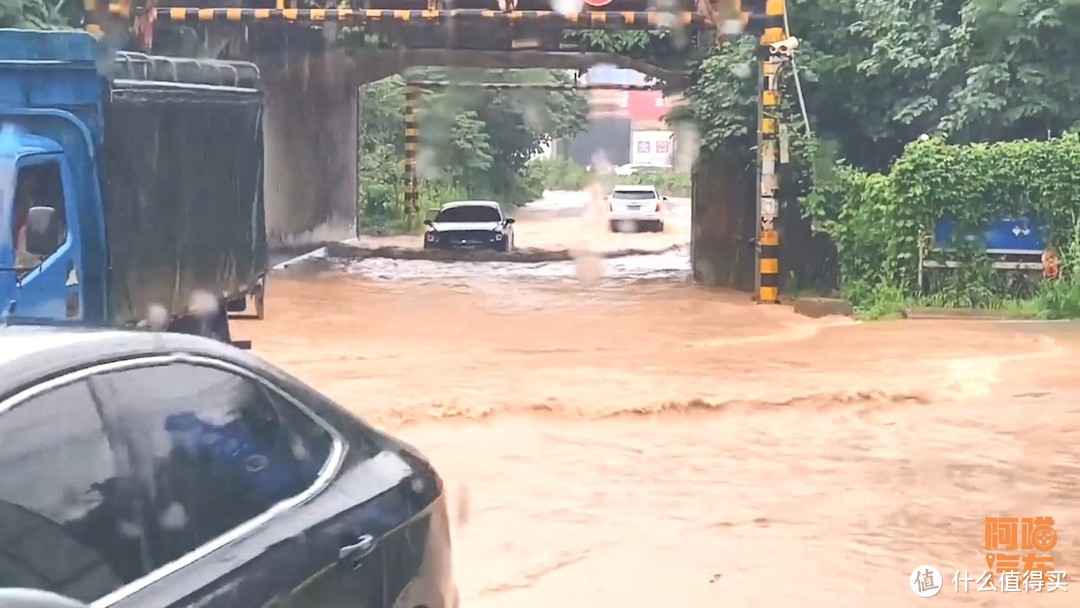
[412, 147]
[766, 18]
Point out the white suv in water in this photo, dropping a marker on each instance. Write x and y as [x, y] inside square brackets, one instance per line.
[632, 207]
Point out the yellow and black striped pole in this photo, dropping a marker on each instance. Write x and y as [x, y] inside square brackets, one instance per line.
[765, 18]
[100, 14]
[768, 238]
[90, 21]
[412, 146]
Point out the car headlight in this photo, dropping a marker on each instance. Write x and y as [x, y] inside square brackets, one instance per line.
[430, 237]
[498, 236]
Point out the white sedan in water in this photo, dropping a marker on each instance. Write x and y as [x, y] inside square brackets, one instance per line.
[470, 225]
[632, 207]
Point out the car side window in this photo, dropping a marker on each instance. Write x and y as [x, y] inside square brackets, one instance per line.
[216, 449]
[69, 521]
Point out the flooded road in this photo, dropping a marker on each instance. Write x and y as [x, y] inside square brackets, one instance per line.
[635, 440]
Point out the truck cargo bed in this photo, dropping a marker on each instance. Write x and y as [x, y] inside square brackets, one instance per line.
[183, 183]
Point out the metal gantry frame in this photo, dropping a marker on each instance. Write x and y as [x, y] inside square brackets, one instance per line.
[590, 20]
[414, 90]
[146, 12]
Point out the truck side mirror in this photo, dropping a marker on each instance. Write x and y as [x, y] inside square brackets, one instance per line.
[42, 231]
[35, 598]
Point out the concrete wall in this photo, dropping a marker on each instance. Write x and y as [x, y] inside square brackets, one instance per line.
[723, 215]
[310, 128]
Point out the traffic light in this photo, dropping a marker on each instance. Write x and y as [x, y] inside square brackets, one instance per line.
[763, 18]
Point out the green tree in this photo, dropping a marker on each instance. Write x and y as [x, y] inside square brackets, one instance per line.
[880, 73]
[39, 14]
[476, 142]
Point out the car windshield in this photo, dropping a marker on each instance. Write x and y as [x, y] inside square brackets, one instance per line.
[469, 213]
[633, 195]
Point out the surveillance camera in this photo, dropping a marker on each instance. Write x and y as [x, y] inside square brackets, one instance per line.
[785, 48]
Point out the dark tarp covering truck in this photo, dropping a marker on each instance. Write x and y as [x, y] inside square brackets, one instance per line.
[128, 183]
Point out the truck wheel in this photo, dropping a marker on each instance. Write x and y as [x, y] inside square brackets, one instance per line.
[215, 326]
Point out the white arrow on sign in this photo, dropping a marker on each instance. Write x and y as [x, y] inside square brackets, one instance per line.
[1017, 230]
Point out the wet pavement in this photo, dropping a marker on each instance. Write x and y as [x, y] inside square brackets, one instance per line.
[612, 435]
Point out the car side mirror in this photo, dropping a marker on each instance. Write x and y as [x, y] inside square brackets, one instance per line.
[665, 198]
[510, 220]
[35, 598]
[42, 231]
[429, 223]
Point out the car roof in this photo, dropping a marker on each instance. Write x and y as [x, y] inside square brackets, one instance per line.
[31, 353]
[470, 204]
[635, 188]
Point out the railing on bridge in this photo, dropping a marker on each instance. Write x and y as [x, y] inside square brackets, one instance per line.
[1014, 246]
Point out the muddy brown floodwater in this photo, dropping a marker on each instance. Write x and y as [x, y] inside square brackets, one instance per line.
[654, 444]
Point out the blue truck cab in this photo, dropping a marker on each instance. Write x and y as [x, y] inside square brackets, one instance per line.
[127, 182]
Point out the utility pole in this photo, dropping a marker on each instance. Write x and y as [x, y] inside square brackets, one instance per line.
[412, 147]
[766, 18]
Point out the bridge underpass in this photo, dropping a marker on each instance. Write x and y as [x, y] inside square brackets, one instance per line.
[312, 80]
[729, 446]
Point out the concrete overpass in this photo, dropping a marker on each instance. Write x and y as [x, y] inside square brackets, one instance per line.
[313, 63]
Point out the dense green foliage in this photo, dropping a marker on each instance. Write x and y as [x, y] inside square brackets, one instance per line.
[39, 14]
[882, 223]
[877, 75]
[474, 143]
[881, 73]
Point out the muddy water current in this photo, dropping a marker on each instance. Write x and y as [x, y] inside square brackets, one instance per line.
[633, 440]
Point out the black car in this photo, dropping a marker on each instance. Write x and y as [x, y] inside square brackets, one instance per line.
[162, 470]
[470, 225]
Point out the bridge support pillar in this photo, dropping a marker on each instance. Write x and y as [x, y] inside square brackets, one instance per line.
[723, 219]
[310, 126]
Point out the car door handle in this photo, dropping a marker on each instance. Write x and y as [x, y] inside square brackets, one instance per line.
[363, 547]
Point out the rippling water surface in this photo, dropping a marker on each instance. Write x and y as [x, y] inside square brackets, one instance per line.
[613, 436]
